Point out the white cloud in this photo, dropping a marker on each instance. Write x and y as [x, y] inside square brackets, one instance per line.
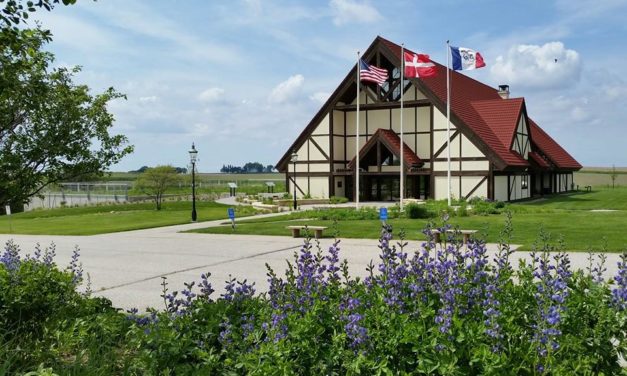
[210, 95]
[149, 99]
[287, 89]
[347, 11]
[548, 66]
[319, 97]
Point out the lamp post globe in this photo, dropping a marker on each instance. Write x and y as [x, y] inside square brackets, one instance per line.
[193, 153]
[294, 159]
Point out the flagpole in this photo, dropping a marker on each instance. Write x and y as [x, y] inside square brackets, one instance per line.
[402, 90]
[448, 123]
[357, 138]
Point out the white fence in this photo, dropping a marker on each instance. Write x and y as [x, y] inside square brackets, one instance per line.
[59, 199]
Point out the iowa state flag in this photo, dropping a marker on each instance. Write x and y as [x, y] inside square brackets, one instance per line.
[418, 65]
[466, 59]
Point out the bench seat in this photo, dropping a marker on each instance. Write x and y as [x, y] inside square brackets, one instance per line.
[465, 233]
[316, 229]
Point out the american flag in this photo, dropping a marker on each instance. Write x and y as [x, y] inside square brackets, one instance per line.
[371, 73]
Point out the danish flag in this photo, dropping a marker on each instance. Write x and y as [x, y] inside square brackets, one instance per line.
[418, 65]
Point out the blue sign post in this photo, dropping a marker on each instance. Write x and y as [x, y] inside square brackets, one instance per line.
[231, 212]
[383, 214]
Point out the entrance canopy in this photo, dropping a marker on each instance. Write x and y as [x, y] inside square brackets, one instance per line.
[382, 149]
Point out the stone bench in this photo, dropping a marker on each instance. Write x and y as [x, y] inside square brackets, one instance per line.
[465, 233]
[316, 229]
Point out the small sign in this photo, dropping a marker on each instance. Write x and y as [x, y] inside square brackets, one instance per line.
[231, 212]
[7, 208]
[383, 214]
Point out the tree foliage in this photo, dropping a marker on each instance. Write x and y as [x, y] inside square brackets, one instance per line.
[51, 129]
[613, 176]
[155, 181]
[15, 12]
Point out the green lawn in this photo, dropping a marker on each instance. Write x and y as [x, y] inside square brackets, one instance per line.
[566, 215]
[92, 220]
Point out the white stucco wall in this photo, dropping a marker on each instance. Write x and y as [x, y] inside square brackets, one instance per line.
[500, 188]
[319, 187]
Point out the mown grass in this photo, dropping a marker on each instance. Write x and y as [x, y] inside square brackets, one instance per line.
[569, 216]
[91, 220]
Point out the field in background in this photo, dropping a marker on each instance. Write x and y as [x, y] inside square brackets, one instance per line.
[600, 177]
[101, 219]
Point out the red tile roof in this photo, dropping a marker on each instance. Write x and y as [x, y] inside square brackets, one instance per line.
[552, 149]
[535, 157]
[493, 119]
[501, 116]
[393, 142]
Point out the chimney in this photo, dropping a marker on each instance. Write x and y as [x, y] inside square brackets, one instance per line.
[504, 91]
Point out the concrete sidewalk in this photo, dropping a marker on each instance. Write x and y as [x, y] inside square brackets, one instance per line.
[127, 267]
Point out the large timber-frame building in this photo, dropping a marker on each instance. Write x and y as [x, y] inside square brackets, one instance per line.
[497, 151]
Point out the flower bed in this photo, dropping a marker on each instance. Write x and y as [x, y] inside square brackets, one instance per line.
[440, 310]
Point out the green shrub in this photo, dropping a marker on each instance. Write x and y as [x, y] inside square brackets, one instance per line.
[45, 320]
[415, 211]
[337, 200]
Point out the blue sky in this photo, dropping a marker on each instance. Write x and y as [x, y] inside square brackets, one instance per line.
[242, 78]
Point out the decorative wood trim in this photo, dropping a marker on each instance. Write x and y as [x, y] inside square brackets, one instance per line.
[431, 135]
[441, 149]
[491, 183]
[319, 148]
[293, 179]
[312, 174]
[509, 187]
[463, 159]
[383, 105]
[331, 153]
[461, 173]
[378, 155]
[313, 161]
[345, 156]
[485, 178]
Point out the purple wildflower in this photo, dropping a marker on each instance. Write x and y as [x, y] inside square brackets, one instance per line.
[332, 268]
[49, 254]
[356, 333]
[619, 293]
[248, 325]
[552, 290]
[226, 333]
[205, 287]
[135, 317]
[11, 256]
[393, 268]
[76, 268]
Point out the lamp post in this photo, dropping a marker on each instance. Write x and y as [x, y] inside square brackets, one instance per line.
[294, 159]
[192, 157]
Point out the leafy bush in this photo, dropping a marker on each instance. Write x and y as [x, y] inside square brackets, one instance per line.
[44, 319]
[337, 200]
[415, 211]
[443, 310]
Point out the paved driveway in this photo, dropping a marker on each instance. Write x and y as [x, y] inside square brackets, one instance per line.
[127, 267]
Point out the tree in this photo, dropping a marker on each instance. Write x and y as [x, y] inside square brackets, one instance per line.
[155, 181]
[613, 175]
[14, 11]
[51, 129]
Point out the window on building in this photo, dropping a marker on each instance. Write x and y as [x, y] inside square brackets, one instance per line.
[525, 181]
